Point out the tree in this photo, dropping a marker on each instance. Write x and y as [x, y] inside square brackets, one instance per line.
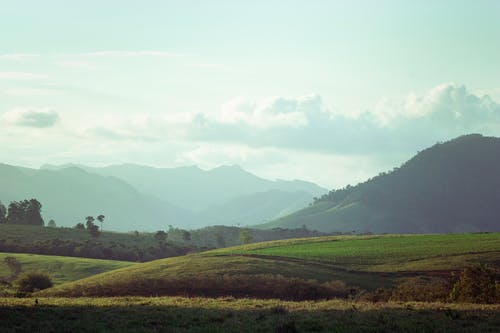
[94, 231]
[100, 218]
[33, 212]
[25, 212]
[89, 221]
[14, 267]
[186, 235]
[79, 226]
[30, 282]
[52, 224]
[15, 213]
[91, 227]
[245, 237]
[3, 212]
[161, 237]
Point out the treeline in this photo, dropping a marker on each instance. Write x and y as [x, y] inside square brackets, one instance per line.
[94, 249]
[27, 212]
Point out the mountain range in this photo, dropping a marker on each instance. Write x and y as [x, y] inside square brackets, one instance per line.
[449, 187]
[134, 197]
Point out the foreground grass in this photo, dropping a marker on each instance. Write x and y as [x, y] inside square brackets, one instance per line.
[176, 314]
[61, 269]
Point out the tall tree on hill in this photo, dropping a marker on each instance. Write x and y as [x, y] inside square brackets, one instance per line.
[3, 212]
[33, 212]
[91, 227]
[100, 218]
[15, 214]
[89, 221]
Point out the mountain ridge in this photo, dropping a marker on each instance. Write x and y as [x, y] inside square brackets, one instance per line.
[435, 191]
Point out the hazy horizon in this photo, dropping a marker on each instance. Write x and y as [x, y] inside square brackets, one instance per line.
[327, 92]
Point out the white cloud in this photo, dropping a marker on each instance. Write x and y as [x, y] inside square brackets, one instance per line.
[32, 92]
[32, 117]
[269, 112]
[121, 53]
[18, 56]
[209, 66]
[22, 76]
[304, 123]
[76, 64]
[447, 106]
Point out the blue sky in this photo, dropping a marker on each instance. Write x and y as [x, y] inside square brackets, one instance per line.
[328, 91]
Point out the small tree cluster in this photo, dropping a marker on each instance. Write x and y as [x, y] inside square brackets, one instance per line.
[30, 282]
[22, 212]
[91, 227]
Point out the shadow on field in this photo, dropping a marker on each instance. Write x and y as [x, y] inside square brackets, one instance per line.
[251, 318]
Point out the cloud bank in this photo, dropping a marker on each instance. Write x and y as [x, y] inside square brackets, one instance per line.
[32, 117]
[306, 123]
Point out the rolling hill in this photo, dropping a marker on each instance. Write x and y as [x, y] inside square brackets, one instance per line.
[61, 269]
[449, 187]
[258, 269]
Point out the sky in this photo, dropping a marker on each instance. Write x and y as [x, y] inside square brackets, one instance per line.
[332, 92]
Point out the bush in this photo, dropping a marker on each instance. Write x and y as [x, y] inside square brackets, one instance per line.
[30, 282]
[423, 289]
[477, 284]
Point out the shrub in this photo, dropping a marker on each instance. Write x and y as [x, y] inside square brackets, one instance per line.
[423, 289]
[30, 282]
[477, 284]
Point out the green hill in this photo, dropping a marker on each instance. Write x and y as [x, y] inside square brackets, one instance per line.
[449, 187]
[61, 269]
[285, 268]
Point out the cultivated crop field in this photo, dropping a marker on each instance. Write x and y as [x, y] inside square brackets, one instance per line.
[177, 314]
[385, 253]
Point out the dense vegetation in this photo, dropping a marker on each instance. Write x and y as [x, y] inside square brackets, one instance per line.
[134, 314]
[81, 241]
[22, 212]
[450, 187]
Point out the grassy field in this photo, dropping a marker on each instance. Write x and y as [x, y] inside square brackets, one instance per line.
[61, 269]
[368, 262]
[176, 314]
[386, 253]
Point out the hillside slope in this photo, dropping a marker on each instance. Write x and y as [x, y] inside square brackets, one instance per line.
[366, 261]
[61, 269]
[449, 187]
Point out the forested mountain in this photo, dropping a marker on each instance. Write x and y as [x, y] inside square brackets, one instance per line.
[449, 187]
